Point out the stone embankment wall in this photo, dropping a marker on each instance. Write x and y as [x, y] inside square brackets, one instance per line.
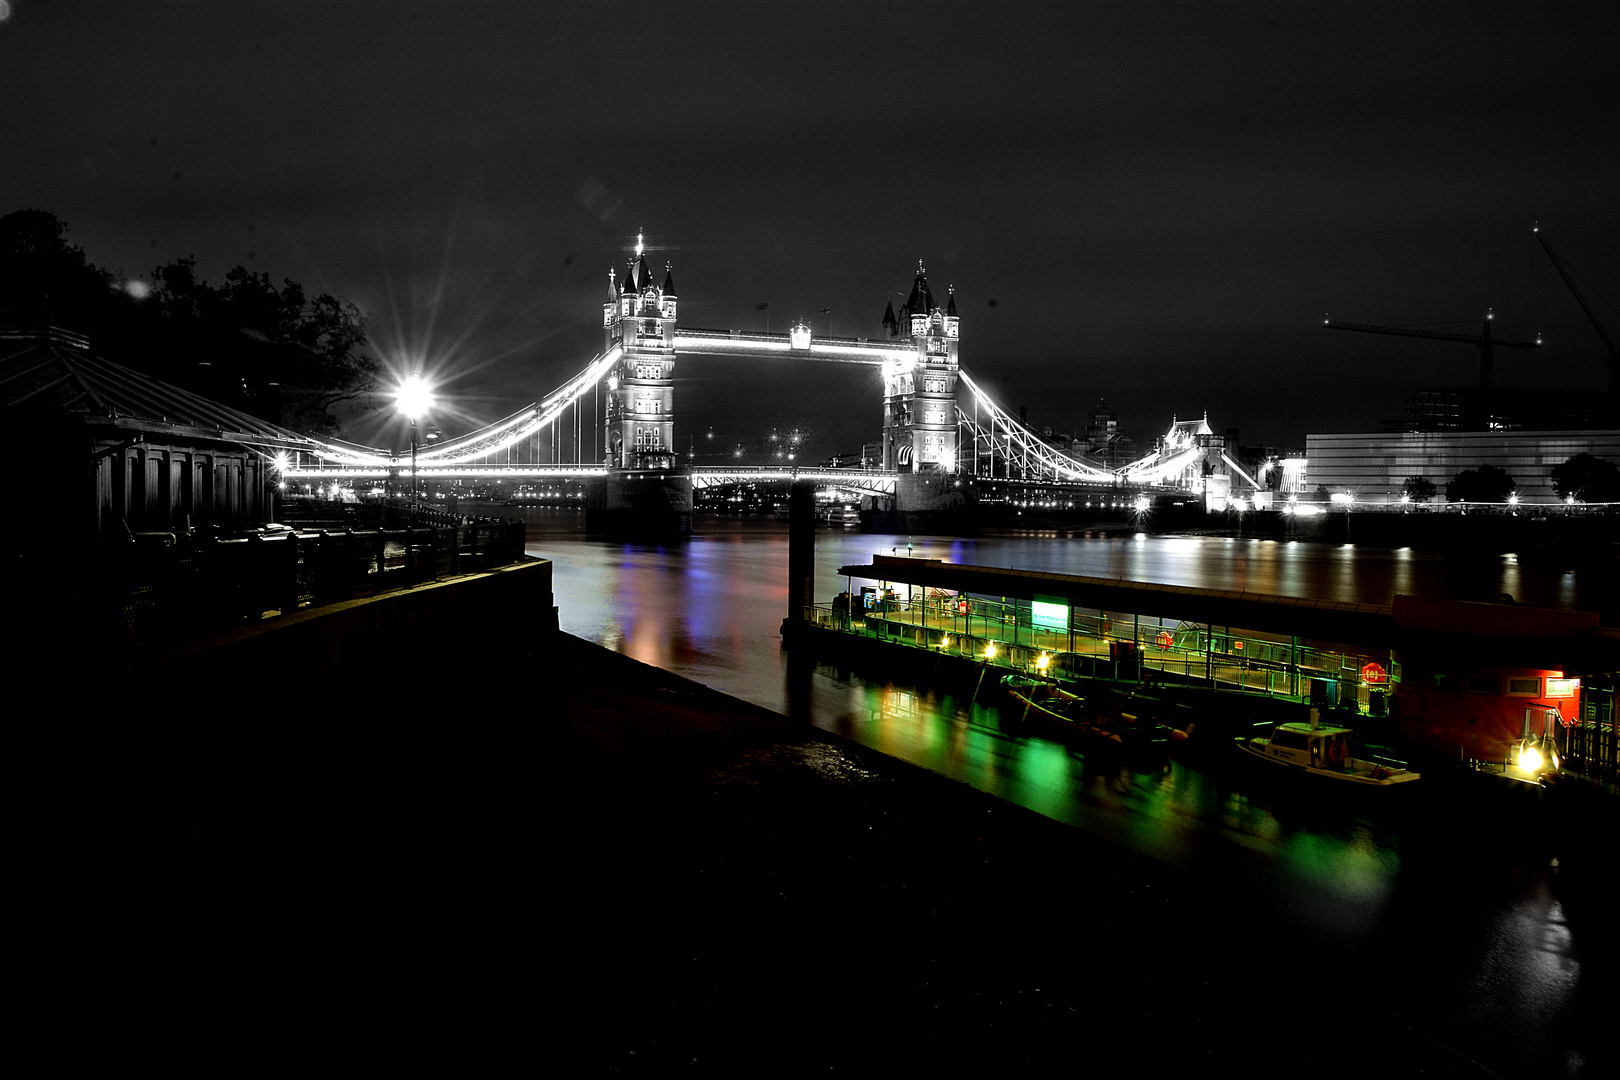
[419, 632]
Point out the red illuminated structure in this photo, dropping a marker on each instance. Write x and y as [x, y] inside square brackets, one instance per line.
[1477, 681]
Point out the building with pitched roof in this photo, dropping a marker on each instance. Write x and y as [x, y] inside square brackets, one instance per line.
[113, 452]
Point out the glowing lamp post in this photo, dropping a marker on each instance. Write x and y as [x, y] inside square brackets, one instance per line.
[414, 398]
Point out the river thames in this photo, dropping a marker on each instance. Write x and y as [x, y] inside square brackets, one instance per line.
[1469, 899]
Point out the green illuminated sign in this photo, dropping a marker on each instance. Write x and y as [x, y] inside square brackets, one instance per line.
[1049, 612]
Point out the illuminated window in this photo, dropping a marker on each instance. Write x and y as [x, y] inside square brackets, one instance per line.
[1562, 687]
[1524, 687]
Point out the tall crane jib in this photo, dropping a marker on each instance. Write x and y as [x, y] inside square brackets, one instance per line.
[1613, 359]
[1484, 341]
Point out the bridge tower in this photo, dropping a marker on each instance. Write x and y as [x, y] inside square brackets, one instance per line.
[919, 394]
[639, 424]
[644, 495]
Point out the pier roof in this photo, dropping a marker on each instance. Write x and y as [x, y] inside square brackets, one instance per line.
[51, 373]
[1327, 620]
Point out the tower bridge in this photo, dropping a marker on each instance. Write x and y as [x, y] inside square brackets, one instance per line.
[939, 425]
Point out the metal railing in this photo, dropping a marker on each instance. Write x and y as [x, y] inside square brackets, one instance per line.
[175, 585]
[1106, 646]
[1591, 747]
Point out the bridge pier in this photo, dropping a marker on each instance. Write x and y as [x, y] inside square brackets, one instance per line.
[641, 504]
[801, 550]
[929, 502]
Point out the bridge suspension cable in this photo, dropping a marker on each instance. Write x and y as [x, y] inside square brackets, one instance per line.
[530, 421]
[492, 438]
[1017, 444]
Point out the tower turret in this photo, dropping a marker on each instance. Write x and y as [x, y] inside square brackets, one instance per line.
[919, 395]
[640, 421]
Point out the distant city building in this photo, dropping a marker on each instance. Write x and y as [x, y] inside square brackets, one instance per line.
[1463, 408]
[1102, 426]
[1057, 439]
[1374, 467]
[1195, 449]
[1104, 445]
[1274, 468]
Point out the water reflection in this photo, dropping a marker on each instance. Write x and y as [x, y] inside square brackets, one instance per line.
[1335, 872]
[710, 609]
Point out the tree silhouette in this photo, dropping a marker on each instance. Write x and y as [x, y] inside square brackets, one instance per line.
[44, 280]
[273, 352]
[1419, 489]
[1484, 484]
[1587, 479]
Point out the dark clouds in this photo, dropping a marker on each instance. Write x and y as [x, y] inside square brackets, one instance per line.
[1163, 202]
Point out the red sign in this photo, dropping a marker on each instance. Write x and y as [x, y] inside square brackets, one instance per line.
[1373, 674]
[962, 606]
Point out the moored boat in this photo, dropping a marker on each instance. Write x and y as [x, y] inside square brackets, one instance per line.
[1326, 751]
[1056, 709]
[1101, 720]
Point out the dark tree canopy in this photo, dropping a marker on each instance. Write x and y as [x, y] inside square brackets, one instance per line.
[1419, 489]
[1484, 484]
[1586, 478]
[44, 280]
[267, 350]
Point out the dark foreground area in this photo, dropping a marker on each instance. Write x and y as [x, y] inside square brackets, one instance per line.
[617, 871]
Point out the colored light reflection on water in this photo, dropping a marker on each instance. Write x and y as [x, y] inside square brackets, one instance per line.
[1474, 927]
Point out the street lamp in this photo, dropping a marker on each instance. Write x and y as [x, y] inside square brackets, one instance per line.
[414, 398]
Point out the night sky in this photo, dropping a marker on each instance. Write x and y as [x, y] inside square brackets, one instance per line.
[1152, 203]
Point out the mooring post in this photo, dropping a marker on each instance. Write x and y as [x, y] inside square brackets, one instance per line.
[801, 551]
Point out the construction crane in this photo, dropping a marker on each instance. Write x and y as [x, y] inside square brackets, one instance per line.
[1608, 343]
[1482, 341]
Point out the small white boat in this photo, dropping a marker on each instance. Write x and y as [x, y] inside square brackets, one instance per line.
[1325, 751]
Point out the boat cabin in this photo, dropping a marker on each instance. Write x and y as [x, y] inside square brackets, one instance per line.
[1320, 747]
